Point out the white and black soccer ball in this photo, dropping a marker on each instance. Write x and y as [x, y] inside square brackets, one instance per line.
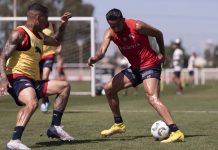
[159, 130]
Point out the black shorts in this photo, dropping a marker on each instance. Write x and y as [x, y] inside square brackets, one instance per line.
[191, 73]
[22, 82]
[137, 76]
[177, 73]
[46, 63]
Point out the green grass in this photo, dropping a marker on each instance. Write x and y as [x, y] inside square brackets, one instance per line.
[195, 113]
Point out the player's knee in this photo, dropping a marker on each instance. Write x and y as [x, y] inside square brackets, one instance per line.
[153, 100]
[66, 85]
[33, 105]
[108, 88]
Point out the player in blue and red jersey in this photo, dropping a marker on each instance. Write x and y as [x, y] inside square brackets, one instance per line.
[131, 36]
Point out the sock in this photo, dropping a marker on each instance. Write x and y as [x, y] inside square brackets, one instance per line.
[118, 119]
[45, 99]
[18, 131]
[56, 119]
[173, 128]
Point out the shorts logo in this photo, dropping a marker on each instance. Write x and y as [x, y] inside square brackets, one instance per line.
[27, 84]
[147, 74]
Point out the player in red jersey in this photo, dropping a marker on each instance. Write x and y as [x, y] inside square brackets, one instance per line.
[131, 36]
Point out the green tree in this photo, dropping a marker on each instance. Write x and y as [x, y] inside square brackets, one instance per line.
[55, 8]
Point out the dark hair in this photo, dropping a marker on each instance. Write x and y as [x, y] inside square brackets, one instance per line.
[38, 7]
[114, 14]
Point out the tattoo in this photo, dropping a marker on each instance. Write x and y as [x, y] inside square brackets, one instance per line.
[60, 103]
[30, 26]
[60, 32]
[10, 46]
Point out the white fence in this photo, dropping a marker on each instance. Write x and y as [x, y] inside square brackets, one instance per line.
[201, 76]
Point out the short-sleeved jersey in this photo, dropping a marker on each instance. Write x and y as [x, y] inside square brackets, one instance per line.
[25, 60]
[191, 63]
[48, 51]
[135, 47]
[178, 59]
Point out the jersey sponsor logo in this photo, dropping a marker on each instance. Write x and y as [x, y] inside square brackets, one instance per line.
[128, 47]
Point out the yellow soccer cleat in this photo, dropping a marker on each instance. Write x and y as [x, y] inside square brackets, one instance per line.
[116, 128]
[177, 136]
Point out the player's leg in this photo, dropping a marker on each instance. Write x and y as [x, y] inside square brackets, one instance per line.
[117, 83]
[27, 97]
[191, 77]
[178, 82]
[152, 88]
[45, 101]
[152, 91]
[46, 66]
[62, 90]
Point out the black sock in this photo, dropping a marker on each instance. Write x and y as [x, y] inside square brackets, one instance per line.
[56, 119]
[118, 119]
[45, 99]
[173, 128]
[18, 131]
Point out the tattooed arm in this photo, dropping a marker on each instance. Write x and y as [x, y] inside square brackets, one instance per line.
[13, 41]
[56, 39]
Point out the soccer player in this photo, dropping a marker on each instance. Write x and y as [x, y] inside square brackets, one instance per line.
[47, 61]
[60, 68]
[20, 76]
[131, 36]
[178, 61]
[191, 67]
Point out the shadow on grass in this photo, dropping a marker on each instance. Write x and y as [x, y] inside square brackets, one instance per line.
[194, 135]
[85, 141]
[73, 112]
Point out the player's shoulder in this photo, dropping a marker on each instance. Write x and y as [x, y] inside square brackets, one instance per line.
[17, 35]
[109, 33]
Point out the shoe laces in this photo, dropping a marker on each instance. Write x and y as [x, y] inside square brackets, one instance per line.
[61, 131]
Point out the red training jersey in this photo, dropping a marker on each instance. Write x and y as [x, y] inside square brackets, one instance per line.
[135, 47]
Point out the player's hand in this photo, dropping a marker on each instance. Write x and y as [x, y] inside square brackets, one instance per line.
[65, 17]
[161, 57]
[91, 61]
[4, 85]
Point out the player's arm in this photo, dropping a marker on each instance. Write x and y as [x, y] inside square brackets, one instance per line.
[145, 29]
[56, 39]
[103, 48]
[13, 41]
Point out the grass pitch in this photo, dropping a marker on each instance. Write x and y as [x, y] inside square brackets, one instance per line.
[195, 112]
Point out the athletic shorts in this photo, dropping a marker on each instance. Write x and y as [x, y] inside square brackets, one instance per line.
[177, 73]
[46, 63]
[61, 73]
[22, 82]
[191, 73]
[137, 76]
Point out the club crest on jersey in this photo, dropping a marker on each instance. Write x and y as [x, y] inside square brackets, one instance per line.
[38, 50]
[131, 36]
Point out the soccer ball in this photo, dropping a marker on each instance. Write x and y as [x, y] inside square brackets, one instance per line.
[160, 130]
